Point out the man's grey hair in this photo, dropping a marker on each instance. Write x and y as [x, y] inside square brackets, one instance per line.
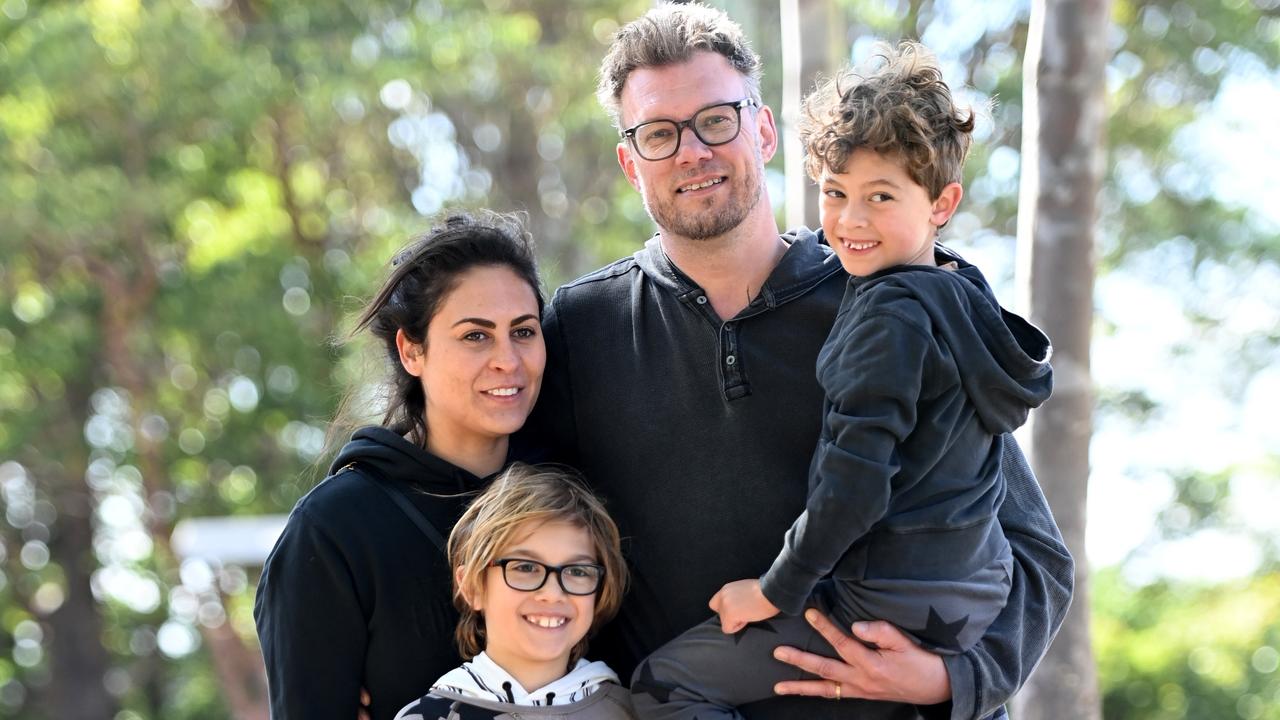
[671, 34]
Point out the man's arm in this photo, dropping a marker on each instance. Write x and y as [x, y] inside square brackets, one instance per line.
[985, 677]
[877, 662]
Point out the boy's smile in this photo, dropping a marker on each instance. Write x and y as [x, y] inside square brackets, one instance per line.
[532, 634]
[875, 216]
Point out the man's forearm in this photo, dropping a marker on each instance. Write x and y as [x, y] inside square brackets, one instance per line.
[986, 676]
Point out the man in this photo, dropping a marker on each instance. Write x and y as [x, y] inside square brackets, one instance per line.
[681, 382]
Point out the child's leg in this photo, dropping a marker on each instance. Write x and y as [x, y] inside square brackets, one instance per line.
[943, 587]
[707, 674]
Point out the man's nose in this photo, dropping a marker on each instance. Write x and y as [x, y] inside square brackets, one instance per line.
[691, 146]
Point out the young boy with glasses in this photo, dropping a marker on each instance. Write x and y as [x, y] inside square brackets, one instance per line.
[537, 568]
[923, 374]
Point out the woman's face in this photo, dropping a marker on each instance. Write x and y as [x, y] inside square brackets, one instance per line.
[482, 363]
[532, 634]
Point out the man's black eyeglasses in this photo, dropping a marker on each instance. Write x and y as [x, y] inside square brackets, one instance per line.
[530, 575]
[714, 125]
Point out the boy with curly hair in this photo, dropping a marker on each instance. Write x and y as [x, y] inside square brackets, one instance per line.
[923, 374]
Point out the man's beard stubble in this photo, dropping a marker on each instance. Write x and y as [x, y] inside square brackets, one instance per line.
[744, 195]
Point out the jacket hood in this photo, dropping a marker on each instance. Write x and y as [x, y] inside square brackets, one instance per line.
[390, 455]
[484, 679]
[1002, 359]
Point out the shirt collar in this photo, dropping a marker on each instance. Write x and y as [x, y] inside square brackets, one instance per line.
[806, 263]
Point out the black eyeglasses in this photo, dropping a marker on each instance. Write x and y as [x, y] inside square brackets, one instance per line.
[530, 575]
[714, 125]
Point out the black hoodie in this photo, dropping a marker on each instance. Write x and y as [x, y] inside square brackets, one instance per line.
[355, 594]
[923, 373]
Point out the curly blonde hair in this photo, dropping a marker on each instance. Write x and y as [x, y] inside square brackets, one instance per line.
[530, 494]
[896, 105]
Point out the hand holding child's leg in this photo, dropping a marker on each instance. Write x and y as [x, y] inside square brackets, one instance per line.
[897, 669]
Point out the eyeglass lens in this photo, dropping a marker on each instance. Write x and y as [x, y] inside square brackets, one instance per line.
[529, 575]
[715, 125]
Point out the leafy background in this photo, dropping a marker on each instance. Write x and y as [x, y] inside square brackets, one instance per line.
[195, 195]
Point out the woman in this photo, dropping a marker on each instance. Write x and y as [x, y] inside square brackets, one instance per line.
[356, 593]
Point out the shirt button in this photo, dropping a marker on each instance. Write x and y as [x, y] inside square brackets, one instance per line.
[730, 360]
[702, 299]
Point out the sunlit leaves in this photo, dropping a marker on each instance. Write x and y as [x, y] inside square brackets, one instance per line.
[25, 119]
[249, 225]
[1170, 651]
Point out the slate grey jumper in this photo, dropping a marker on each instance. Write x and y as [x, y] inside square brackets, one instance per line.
[923, 374]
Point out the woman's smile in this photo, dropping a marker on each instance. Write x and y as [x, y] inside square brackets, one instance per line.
[481, 365]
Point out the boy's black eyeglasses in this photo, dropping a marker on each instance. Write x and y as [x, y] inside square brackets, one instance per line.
[530, 575]
[714, 125]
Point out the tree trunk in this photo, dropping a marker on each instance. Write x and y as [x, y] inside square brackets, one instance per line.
[1062, 166]
[239, 668]
[78, 659]
[810, 35]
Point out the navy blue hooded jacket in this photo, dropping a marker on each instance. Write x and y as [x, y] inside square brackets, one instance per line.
[923, 373]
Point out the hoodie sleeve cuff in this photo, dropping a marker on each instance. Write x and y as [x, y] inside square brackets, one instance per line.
[964, 687]
[787, 586]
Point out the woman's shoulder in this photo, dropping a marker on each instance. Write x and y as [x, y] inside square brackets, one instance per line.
[344, 490]
[349, 507]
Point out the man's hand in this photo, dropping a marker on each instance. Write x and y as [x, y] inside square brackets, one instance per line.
[896, 669]
[741, 602]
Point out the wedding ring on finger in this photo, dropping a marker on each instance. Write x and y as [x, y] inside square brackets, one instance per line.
[839, 695]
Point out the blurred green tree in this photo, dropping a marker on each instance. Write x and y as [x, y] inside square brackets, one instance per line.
[191, 190]
[1170, 650]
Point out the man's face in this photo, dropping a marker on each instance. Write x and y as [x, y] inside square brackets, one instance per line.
[702, 191]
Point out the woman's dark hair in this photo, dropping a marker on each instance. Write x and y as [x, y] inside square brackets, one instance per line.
[422, 276]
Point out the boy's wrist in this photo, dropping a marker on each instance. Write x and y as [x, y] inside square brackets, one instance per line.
[787, 587]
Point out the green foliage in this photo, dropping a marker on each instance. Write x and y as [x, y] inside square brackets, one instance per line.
[192, 193]
[1168, 651]
[195, 195]
[1166, 73]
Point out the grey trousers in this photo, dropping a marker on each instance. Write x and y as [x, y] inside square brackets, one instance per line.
[705, 674]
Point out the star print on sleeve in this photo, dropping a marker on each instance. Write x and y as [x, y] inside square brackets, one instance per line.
[940, 633]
